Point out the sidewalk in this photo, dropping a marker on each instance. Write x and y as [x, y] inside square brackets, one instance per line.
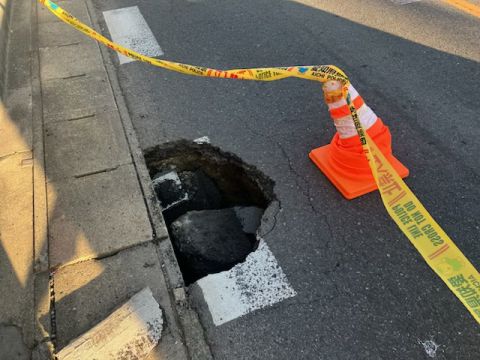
[73, 184]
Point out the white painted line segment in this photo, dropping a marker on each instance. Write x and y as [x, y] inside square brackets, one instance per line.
[430, 347]
[128, 28]
[254, 284]
[202, 140]
[171, 175]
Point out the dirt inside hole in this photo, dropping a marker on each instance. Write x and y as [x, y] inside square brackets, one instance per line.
[212, 202]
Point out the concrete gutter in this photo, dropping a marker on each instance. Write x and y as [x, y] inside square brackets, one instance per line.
[4, 30]
[193, 332]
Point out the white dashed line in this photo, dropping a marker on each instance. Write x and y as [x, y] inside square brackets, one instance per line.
[128, 28]
[254, 284]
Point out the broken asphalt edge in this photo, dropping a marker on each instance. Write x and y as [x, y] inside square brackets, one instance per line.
[193, 332]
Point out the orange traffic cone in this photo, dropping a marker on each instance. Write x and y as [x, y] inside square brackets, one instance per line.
[343, 160]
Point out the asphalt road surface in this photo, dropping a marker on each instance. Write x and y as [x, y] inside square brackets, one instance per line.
[363, 291]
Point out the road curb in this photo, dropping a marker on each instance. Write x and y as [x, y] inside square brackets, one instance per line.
[52, 313]
[195, 341]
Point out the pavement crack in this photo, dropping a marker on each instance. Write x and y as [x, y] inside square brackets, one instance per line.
[88, 116]
[73, 77]
[305, 187]
[330, 232]
[82, 117]
[108, 255]
[96, 172]
[72, 44]
[6, 156]
[273, 226]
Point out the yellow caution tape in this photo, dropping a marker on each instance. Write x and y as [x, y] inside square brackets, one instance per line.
[318, 72]
[436, 247]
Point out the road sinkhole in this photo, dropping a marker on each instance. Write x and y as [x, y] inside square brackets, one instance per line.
[212, 203]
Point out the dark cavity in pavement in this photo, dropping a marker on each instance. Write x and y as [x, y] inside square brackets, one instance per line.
[212, 203]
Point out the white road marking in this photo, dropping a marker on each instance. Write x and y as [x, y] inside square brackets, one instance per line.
[254, 284]
[430, 347]
[202, 140]
[128, 28]
[171, 175]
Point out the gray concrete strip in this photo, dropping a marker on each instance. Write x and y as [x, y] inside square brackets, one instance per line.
[17, 122]
[76, 8]
[20, 199]
[19, 46]
[4, 20]
[16, 108]
[197, 346]
[12, 132]
[131, 331]
[42, 322]
[96, 215]
[48, 35]
[19, 65]
[69, 61]
[85, 145]
[76, 97]
[39, 178]
[87, 292]
[16, 250]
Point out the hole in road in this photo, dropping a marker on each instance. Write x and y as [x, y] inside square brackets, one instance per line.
[212, 203]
